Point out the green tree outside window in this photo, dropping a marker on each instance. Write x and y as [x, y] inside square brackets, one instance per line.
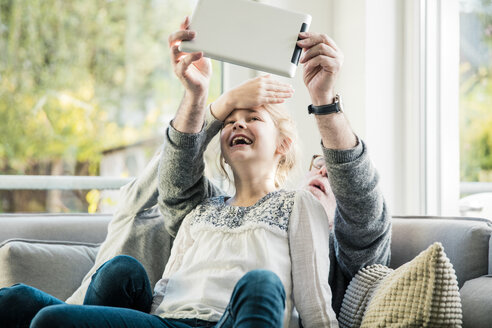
[476, 90]
[78, 77]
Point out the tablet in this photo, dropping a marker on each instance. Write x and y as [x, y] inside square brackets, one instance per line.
[249, 34]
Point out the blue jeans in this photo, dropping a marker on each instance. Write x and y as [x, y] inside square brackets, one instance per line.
[120, 296]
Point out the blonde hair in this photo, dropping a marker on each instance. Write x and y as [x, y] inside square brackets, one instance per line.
[287, 138]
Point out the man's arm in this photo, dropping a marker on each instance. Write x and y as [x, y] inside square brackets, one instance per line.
[362, 227]
[182, 185]
[322, 60]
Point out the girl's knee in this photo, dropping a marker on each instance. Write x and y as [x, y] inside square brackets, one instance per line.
[52, 317]
[17, 294]
[120, 282]
[259, 293]
[122, 264]
[16, 300]
[262, 280]
[124, 260]
[266, 277]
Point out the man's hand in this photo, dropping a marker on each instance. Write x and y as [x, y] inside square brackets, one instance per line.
[322, 61]
[251, 94]
[193, 70]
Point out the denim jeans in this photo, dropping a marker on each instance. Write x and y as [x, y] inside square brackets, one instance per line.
[120, 296]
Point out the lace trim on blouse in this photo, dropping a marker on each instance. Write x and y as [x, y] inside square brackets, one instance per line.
[271, 211]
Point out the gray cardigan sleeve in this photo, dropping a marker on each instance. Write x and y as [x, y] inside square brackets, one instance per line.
[362, 226]
[182, 184]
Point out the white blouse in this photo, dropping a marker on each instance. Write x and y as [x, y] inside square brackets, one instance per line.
[284, 232]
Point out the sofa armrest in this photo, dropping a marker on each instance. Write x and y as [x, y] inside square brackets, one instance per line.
[54, 267]
[86, 228]
[476, 300]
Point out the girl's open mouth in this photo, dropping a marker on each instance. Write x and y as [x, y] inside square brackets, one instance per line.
[240, 140]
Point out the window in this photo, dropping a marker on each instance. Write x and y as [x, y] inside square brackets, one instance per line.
[476, 107]
[86, 89]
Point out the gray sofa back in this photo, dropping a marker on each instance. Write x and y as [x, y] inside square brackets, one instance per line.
[86, 228]
[466, 242]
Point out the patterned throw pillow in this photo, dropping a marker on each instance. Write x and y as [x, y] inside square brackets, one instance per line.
[421, 293]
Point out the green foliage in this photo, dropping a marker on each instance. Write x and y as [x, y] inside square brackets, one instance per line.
[476, 102]
[81, 76]
[476, 128]
[78, 77]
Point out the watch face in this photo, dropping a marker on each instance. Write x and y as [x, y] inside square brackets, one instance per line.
[338, 98]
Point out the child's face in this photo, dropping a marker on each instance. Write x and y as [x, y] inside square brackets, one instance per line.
[249, 135]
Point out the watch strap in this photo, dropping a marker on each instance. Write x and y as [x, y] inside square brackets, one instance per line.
[335, 107]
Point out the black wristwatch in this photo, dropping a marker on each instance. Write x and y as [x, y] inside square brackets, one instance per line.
[335, 107]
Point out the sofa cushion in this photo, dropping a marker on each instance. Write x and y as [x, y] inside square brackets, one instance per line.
[56, 267]
[137, 229]
[422, 292]
[476, 300]
[466, 241]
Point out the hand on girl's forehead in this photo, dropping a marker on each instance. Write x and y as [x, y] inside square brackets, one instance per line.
[242, 112]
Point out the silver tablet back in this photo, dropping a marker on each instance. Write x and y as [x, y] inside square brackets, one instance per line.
[248, 33]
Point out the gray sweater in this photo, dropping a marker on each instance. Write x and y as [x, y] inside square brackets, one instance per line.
[362, 228]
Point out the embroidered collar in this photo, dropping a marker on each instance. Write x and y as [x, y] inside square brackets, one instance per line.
[272, 210]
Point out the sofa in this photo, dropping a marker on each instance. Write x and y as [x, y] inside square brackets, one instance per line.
[54, 252]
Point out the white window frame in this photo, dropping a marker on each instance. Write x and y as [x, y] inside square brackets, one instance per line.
[432, 80]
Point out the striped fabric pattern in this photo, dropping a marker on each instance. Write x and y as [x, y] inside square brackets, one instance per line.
[421, 293]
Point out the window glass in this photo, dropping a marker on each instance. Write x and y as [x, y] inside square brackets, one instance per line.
[476, 102]
[86, 88]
